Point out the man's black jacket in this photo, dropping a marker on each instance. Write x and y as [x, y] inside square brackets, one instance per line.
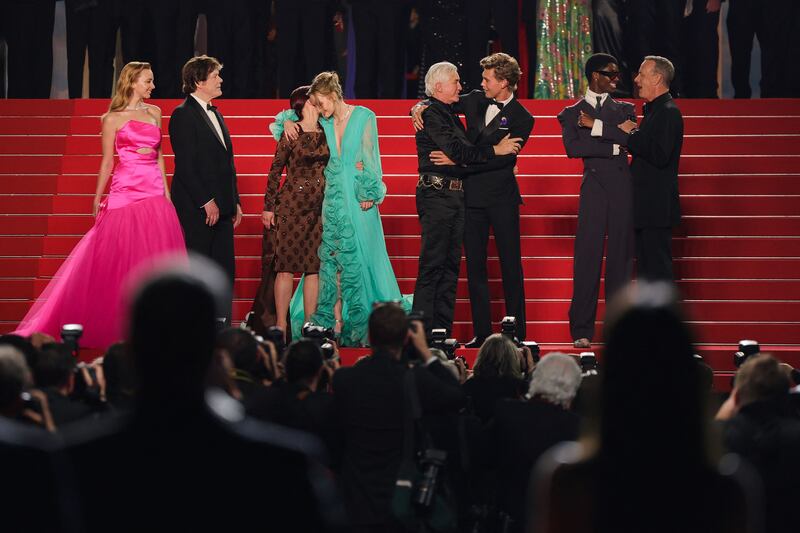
[656, 148]
[444, 132]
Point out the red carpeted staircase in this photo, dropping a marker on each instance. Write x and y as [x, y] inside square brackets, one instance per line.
[737, 253]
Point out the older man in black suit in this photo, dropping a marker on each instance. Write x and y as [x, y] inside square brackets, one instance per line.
[656, 148]
[606, 199]
[204, 188]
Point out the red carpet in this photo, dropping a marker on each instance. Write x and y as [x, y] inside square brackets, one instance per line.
[737, 252]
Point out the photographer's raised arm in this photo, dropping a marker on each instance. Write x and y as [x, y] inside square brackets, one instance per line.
[438, 389]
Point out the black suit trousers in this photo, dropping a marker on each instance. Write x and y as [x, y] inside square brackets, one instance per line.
[93, 28]
[441, 214]
[504, 221]
[701, 52]
[301, 43]
[174, 24]
[214, 242]
[28, 28]
[604, 207]
[748, 19]
[654, 27]
[654, 254]
[379, 60]
[231, 39]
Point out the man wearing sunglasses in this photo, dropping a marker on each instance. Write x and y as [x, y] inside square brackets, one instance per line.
[605, 205]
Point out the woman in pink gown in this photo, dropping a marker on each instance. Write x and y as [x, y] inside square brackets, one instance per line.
[135, 226]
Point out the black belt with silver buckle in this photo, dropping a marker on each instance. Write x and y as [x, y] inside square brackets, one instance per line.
[439, 182]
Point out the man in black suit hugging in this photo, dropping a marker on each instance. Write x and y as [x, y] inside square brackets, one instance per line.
[440, 196]
[605, 200]
[491, 194]
[204, 188]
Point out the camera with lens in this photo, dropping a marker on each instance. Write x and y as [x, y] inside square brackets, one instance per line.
[322, 337]
[417, 316]
[508, 328]
[439, 340]
[747, 348]
[70, 335]
[274, 334]
[431, 462]
[588, 363]
[88, 391]
[410, 352]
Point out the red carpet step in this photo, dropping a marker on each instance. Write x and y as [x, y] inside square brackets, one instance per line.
[737, 251]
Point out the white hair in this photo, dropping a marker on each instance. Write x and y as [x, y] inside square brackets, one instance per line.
[556, 379]
[438, 73]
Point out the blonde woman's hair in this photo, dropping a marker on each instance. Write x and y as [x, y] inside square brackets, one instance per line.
[326, 83]
[122, 94]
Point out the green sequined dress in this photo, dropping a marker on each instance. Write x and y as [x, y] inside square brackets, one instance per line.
[564, 43]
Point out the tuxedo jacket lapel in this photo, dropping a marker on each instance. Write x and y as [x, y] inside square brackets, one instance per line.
[225, 133]
[204, 117]
[494, 124]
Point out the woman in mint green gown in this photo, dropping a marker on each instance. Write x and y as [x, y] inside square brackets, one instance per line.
[355, 271]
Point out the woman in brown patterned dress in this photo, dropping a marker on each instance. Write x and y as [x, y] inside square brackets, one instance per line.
[293, 211]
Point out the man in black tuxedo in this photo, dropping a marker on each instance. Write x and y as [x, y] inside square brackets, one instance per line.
[369, 403]
[204, 188]
[656, 148]
[606, 197]
[440, 196]
[491, 193]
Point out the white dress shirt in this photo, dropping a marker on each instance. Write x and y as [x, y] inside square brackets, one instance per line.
[597, 129]
[492, 111]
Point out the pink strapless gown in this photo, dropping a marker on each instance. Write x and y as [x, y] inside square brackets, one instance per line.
[136, 227]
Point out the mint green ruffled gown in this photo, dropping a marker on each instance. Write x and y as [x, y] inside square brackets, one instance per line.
[353, 245]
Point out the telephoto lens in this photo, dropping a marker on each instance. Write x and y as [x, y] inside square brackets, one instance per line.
[431, 462]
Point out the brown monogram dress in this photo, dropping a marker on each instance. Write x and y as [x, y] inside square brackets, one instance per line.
[298, 203]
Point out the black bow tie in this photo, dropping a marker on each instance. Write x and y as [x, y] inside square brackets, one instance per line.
[498, 104]
[211, 107]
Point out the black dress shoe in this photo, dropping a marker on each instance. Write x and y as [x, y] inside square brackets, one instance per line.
[476, 342]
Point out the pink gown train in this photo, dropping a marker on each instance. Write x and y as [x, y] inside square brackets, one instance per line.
[136, 227]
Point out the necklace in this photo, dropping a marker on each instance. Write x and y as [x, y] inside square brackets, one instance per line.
[138, 107]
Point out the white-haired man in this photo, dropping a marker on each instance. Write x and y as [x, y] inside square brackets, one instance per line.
[440, 194]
